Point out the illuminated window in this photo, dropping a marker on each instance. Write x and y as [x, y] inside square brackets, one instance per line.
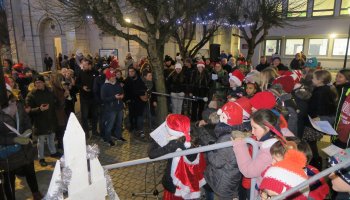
[297, 8]
[323, 8]
[272, 47]
[318, 47]
[339, 47]
[294, 46]
[345, 4]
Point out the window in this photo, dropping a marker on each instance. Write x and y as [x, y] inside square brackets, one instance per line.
[318, 47]
[345, 4]
[272, 47]
[339, 47]
[297, 8]
[323, 8]
[294, 46]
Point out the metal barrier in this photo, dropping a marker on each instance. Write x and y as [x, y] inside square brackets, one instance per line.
[188, 152]
[316, 177]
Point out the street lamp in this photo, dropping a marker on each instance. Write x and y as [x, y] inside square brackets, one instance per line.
[128, 20]
[347, 44]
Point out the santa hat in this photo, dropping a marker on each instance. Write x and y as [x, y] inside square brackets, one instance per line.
[287, 83]
[18, 66]
[178, 66]
[114, 64]
[286, 174]
[233, 112]
[109, 74]
[263, 100]
[177, 126]
[237, 76]
[244, 103]
[200, 64]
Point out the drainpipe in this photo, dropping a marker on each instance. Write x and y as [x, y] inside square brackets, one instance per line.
[14, 30]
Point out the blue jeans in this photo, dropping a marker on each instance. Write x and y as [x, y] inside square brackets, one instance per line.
[111, 118]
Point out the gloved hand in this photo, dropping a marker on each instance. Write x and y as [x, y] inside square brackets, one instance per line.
[21, 140]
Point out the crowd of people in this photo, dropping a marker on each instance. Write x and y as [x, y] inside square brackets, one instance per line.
[218, 101]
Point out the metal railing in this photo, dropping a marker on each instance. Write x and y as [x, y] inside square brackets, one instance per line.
[188, 152]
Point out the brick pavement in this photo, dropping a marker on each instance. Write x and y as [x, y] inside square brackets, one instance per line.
[126, 180]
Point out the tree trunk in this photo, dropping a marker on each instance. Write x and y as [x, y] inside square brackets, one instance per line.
[251, 48]
[156, 57]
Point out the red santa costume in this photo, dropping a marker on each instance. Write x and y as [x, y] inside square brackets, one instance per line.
[187, 176]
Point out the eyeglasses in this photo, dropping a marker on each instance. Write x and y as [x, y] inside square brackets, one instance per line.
[264, 195]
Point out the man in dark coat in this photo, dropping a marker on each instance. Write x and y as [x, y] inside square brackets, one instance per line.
[48, 62]
[42, 109]
[263, 64]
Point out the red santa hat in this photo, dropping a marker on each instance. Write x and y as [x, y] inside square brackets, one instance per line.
[109, 74]
[244, 103]
[18, 66]
[231, 113]
[263, 100]
[287, 83]
[200, 64]
[237, 76]
[286, 174]
[177, 126]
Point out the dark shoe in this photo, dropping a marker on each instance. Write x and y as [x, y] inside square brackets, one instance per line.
[56, 155]
[42, 162]
[121, 139]
[37, 196]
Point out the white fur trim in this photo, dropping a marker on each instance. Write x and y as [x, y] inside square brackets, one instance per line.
[173, 132]
[268, 143]
[183, 190]
[219, 112]
[236, 80]
[8, 87]
[187, 144]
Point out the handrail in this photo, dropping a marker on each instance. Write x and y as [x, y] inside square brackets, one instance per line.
[316, 177]
[188, 152]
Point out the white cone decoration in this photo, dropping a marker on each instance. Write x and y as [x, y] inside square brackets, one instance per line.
[54, 188]
[82, 184]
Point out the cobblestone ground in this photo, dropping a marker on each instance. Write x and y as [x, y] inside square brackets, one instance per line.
[126, 180]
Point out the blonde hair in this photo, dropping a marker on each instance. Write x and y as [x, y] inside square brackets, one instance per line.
[56, 80]
[266, 76]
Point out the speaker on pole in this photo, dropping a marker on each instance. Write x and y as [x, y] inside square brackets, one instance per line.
[214, 52]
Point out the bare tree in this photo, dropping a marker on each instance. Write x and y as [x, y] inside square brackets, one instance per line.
[254, 18]
[156, 19]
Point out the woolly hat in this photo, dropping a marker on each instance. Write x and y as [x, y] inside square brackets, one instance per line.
[177, 126]
[338, 158]
[311, 62]
[263, 100]
[109, 74]
[237, 76]
[286, 174]
[114, 64]
[244, 103]
[178, 66]
[287, 83]
[200, 64]
[231, 113]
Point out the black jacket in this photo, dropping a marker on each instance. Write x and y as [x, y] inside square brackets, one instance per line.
[200, 83]
[86, 78]
[261, 67]
[176, 82]
[322, 102]
[156, 151]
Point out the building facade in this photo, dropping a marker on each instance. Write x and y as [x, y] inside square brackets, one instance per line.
[319, 28]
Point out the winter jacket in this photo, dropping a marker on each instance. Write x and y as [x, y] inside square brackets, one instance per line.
[86, 78]
[59, 106]
[199, 83]
[220, 85]
[98, 82]
[318, 190]
[261, 66]
[322, 102]
[108, 92]
[44, 121]
[26, 153]
[253, 168]
[296, 64]
[176, 82]
[222, 172]
[134, 88]
[342, 117]
[156, 151]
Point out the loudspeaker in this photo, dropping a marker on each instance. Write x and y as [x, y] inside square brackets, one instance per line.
[214, 52]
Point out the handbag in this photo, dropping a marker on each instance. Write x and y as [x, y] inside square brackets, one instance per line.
[311, 134]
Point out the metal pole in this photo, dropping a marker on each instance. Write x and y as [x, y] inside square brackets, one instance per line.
[346, 50]
[128, 40]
